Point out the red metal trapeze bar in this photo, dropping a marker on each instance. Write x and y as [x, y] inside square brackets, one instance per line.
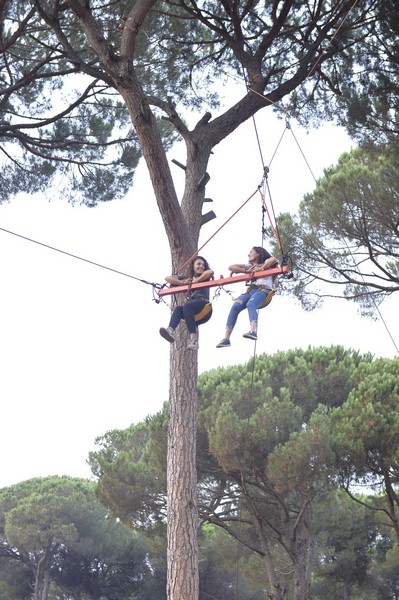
[177, 289]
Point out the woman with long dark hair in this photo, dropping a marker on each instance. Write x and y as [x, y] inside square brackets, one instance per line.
[197, 309]
[259, 259]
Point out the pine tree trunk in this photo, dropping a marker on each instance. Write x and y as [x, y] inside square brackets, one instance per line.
[182, 231]
[303, 556]
[182, 225]
[42, 579]
[182, 576]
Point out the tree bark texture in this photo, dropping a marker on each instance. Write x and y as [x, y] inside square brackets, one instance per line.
[182, 580]
[303, 554]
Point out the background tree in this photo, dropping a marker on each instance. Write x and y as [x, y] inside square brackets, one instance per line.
[346, 232]
[56, 535]
[344, 550]
[58, 126]
[279, 47]
[365, 433]
[226, 571]
[264, 460]
[131, 469]
[364, 99]
[15, 578]
[345, 239]
[385, 574]
[369, 101]
[60, 108]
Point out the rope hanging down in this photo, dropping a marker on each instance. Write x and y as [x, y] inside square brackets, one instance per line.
[274, 228]
[217, 231]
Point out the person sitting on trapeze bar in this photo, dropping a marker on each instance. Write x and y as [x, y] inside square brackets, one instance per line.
[197, 309]
[258, 294]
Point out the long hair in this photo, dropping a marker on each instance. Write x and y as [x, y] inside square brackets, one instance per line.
[263, 254]
[192, 261]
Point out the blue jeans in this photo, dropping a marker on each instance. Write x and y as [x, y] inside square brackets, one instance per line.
[187, 312]
[252, 301]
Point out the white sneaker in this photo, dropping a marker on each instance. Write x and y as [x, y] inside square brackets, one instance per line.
[193, 345]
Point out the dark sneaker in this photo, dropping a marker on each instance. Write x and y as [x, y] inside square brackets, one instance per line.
[168, 334]
[224, 343]
[251, 335]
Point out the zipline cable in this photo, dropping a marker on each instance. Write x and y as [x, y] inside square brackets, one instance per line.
[91, 262]
[301, 151]
[278, 144]
[385, 325]
[266, 170]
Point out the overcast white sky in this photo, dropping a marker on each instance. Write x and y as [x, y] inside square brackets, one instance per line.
[80, 351]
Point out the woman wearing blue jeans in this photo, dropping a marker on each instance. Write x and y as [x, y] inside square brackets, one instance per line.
[259, 260]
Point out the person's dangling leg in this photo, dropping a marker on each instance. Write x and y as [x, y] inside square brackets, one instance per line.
[238, 306]
[168, 333]
[190, 309]
[177, 316]
[257, 297]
